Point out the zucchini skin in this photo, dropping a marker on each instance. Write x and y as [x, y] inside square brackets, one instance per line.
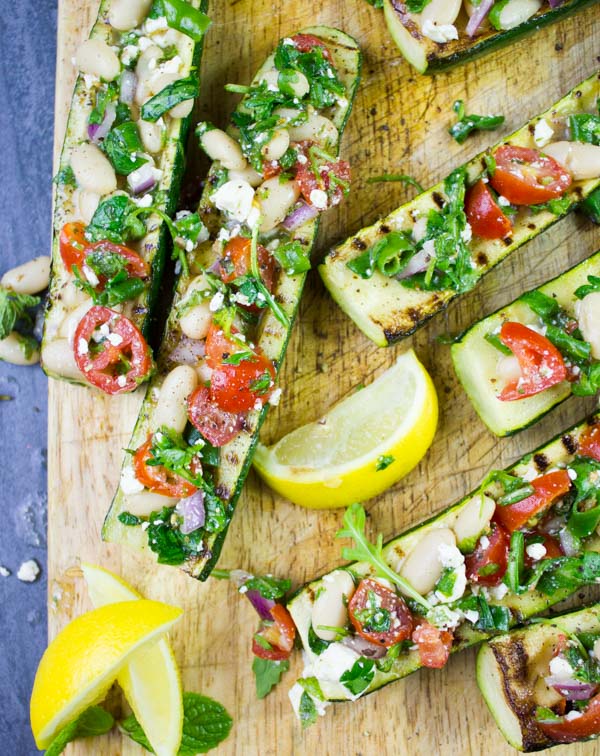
[524, 606]
[464, 368]
[291, 290]
[502, 675]
[388, 312]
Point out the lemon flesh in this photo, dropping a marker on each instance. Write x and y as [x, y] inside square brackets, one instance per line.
[84, 659]
[333, 462]
[150, 679]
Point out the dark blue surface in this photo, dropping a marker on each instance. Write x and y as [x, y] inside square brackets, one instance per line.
[27, 67]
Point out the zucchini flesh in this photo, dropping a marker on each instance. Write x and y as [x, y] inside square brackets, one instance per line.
[384, 309]
[505, 669]
[475, 359]
[236, 456]
[559, 451]
[153, 246]
[428, 56]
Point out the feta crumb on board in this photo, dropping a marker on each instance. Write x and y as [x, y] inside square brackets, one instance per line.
[439, 32]
[28, 571]
[542, 133]
[129, 483]
[4, 571]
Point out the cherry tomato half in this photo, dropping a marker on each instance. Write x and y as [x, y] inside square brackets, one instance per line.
[157, 478]
[541, 363]
[72, 244]
[235, 262]
[216, 425]
[374, 604]
[572, 730]
[487, 564]
[334, 178]
[547, 489]
[484, 214]
[307, 42]
[120, 359]
[280, 636]
[242, 387]
[434, 644]
[136, 267]
[527, 177]
[218, 346]
[589, 442]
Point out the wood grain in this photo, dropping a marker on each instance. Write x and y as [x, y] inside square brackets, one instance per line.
[399, 125]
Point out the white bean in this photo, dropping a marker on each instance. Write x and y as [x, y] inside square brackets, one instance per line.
[69, 325]
[145, 503]
[145, 68]
[95, 57]
[71, 296]
[248, 174]
[196, 321]
[581, 160]
[473, 520]
[277, 145]
[171, 408]
[516, 12]
[92, 169]
[588, 316]
[316, 128]
[182, 110]
[151, 135]
[299, 86]
[11, 350]
[58, 358]
[508, 368]
[124, 15]
[29, 278]
[276, 199]
[204, 372]
[597, 648]
[159, 82]
[86, 203]
[330, 607]
[423, 567]
[441, 12]
[271, 78]
[220, 146]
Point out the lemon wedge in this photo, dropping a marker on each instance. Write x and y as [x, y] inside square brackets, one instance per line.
[84, 659]
[150, 679]
[362, 446]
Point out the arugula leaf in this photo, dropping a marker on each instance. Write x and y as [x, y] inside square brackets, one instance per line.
[359, 677]
[267, 674]
[170, 450]
[268, 586]
[14, 307]
[557, 206]
[124, 148]
[585, 128]
[592, 285]
[168, 542]
[116, 220]
[293, 256]
[174, 93]
[127, 518]
[384, 461]
[307, 711]
[469, 123]
[206, 723]
[91, 722]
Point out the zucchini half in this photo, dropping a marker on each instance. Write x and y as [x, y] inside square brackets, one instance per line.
[62, 297]
[506, 672]
[428, 56]
[560, 450]
[475, 359]
[384, 309]
[236, 456]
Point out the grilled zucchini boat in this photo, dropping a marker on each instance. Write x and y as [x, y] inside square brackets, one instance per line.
[236, 300]
[541, 682]
[120, 173]
[524, 540]
[436, 34]
[525, 358]
[391, 277]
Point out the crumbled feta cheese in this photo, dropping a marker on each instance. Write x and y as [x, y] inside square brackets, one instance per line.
[502, 201]
[333, 662]
[90, 275]
[90, 80]
[28, 571]
[536, 551]
[449, 556]
[144, 43]
[444, 618]
[471, 616]
[144, 201]
[82, 346]
[172, 66]
[543, 133]
[4, 572]
[275, 397]
[121, 381]
[484, 542]
[571, 473]
[129, 483]
[573, 714]
[560, 668]
[155, 24]
[129, 54]
[439, 32]
[235, 198]
[145, 525]
[529, 475]
[295, 694]
[458, 589]
[302, 159]
[318, 198]
[498, 592]
[253, 216]
[216, 302]
[467, 233]
[115, 339]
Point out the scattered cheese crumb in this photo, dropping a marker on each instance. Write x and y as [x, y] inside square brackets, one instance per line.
[543, 133]
[439, 32]
[502, 201]
[4, 572]
[536, 551]
[129, 483]
[28, 571]
[216, 302]
[318, 198]
[275, 397]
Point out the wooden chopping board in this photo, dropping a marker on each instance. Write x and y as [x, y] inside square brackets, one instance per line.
[399, 125]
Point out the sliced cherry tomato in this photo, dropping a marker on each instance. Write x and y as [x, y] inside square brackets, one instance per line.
[157, 478]
[487, 564]
[552, 546]
[589, 442]
[72, 244]
[235, 262]
[547, 489]
[216, 425]
[370, 598]
[111, 352]
[271, 168]
[136, 266]
[242, 387]
[334, 177]
[280, 636]
[541, 363]
[527, 177]
[572, 730]
[307, 42]
[434, 644]
[218, 346]
[484, 214]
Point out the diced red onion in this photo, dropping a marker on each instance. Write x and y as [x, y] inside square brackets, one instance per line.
[98, 131]
[261, 604]
[215, 267]
[571, 689]
[188, 351]
[299, 216]
[128, 86]
[553, 525]
[417, 264]
[568, 543]
[364, 647]
[479, 16]
[193, 512]
[555, 3]
[142, 179]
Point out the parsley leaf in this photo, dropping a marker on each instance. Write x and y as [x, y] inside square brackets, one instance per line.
[585, 128]
[129, 519]
[267, 674]
[124, 148]
[359, 677]
[168, 542]
[293, 256]
[91, 722]
[325, 86]
[268, 586]
[170, 450]
[307, 711]
[116, 220]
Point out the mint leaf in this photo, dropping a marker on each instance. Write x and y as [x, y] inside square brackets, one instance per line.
[267, 674]
[14, 307]
[307, 711]
[358, 679]
[93, 721]
[268, 586]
